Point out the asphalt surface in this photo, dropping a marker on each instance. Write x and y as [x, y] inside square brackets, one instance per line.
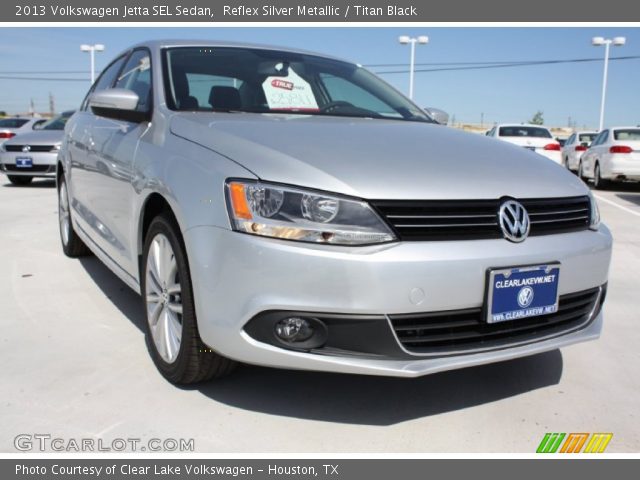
[75, 365]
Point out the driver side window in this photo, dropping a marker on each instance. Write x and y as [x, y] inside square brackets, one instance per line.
[105, 80]
[136, 76]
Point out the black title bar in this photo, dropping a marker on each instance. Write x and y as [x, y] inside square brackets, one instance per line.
[297, 11]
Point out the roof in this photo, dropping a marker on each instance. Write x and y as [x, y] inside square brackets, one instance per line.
[168, 43]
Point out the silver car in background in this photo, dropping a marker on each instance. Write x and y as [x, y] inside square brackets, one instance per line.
[288, 209]
[34, 154]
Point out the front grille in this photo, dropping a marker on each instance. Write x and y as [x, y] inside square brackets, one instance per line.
[415, 220]
[35, 168]
[454, 331]
[32, 148]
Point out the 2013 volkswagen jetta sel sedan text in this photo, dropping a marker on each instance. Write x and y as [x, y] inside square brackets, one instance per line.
[287, 209]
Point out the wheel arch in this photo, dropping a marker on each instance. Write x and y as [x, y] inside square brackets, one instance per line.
[153, 205]
[59, 172]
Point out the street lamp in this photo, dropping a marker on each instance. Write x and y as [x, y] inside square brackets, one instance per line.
[92, 49]
[404, 40]
[598, 42]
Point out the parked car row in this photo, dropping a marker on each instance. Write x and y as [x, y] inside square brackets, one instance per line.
[612, 155]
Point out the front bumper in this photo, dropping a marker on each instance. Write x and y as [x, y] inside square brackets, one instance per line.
[237, 276]
[44, 164]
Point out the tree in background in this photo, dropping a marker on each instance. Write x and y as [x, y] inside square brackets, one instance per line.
[537, 119]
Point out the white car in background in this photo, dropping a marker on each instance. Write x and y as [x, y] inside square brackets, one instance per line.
[533, 137]
[574, 148]
[12, 126]
[614, 156]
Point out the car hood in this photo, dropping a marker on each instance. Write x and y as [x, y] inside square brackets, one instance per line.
[37, 137]
[376, 159]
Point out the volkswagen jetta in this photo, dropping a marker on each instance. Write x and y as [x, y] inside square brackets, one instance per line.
[288, 209]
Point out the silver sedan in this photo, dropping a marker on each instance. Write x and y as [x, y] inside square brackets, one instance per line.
[288, 209]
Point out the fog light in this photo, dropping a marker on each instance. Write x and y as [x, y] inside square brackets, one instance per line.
[294, 330]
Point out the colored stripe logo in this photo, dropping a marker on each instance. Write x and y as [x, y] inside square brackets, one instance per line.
[573, 443]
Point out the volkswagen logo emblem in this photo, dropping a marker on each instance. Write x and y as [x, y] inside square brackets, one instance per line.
[514, 221]
[26, 148]
[525, 297]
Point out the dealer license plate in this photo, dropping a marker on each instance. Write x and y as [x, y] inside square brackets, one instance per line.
[24, 162]
[522, 292]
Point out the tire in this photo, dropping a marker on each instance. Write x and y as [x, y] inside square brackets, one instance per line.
[565, 163]
[598, 182]
[72, 245]
[172, 328]
[581, 173]
[20, 179]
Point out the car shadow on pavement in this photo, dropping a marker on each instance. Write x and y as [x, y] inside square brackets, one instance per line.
[629, 197]
[122, 297]
[351, 399]
[368, 400]
[44, 183]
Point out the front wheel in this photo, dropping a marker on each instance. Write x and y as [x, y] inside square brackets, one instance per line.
[20, 179]
[172, 330]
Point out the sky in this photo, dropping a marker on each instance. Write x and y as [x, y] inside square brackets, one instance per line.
[563, 92]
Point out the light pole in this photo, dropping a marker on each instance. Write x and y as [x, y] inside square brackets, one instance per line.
[92, 49]
[404, 40]
[607, 42]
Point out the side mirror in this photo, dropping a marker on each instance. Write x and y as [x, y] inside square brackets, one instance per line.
[438, 115]
[117, 103]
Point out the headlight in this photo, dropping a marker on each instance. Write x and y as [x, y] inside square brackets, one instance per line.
[55, 148]
[595, 213]
[296, 214]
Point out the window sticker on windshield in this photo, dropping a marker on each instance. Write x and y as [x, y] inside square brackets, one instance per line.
[289, 93]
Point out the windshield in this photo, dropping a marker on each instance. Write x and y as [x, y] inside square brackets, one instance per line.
[631, 134]
[268, 81]
[522, 131]
[12, 122]
[57, 123]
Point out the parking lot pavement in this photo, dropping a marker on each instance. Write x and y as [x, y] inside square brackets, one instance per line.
[75, 365]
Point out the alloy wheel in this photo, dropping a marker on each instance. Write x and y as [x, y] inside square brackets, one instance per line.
[164, 298]
[63, 214]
